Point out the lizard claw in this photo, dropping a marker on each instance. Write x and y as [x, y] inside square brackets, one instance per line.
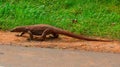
[17, 35]
[42, 39]
[29, 39]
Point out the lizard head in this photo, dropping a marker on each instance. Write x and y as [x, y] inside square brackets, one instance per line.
[19, 29]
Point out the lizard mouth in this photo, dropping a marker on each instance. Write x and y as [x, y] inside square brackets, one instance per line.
[11, 30]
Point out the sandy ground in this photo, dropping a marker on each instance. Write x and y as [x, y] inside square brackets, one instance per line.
[63, 42]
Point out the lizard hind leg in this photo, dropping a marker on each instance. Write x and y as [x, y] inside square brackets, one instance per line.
[55, 35]
[45, 32]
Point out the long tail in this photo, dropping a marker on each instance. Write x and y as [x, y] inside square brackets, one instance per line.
[63, 32]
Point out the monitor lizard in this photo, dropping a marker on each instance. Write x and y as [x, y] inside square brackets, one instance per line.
[44, 29]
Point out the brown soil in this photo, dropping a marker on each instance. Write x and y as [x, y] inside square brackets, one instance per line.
[63, 42]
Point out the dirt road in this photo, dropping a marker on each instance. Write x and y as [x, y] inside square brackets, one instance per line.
[16, 56]
[63, 42]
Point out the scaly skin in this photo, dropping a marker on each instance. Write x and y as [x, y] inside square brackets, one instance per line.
[44, 29]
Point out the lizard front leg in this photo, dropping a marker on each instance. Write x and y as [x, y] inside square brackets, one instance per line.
[30, 34]
[20, 34]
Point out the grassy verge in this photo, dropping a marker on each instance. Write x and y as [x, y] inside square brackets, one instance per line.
[95, 17]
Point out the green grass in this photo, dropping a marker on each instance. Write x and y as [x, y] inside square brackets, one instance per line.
[95, 17]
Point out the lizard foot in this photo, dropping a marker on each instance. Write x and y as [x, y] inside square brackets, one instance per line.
[17, 35]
